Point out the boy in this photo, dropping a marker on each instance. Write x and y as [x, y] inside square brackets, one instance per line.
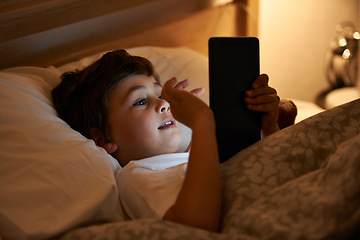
[118, 102]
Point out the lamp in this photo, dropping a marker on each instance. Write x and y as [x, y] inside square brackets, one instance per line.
[342, 68]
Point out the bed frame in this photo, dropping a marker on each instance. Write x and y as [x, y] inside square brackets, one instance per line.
[53, 32]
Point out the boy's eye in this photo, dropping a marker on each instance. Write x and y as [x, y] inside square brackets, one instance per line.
[140, 102]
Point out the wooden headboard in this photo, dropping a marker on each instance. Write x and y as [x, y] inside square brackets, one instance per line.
[53, 32]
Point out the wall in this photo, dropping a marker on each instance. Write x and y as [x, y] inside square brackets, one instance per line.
[294, 36]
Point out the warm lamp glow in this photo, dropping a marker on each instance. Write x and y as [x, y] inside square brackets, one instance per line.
[357, 35]
[346, 54]
[342, 42]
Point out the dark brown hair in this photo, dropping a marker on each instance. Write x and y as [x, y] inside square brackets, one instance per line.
[81, 99]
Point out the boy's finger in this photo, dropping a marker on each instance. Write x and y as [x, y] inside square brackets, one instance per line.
[198, 91]
[262, 80]
[170, 83]
[182, 85]
[168, 88]
[263, 99]
[266, 107]
[260, 91]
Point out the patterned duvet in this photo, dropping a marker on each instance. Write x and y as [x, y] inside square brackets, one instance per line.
[300, 183]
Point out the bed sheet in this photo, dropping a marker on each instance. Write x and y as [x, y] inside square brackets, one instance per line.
[306, 109]
[300, 183]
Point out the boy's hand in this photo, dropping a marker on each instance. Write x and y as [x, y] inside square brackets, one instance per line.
[185, 106]
[198, 203]
[263, 98]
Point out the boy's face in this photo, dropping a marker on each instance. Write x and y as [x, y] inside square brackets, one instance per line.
[140, 121]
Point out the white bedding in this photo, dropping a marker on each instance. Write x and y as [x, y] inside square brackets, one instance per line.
[52, 178]
[306, 109]
[55, 181]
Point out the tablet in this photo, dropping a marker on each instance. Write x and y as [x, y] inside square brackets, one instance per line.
[233, 67]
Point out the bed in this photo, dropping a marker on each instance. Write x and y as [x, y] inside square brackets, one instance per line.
[300, 183]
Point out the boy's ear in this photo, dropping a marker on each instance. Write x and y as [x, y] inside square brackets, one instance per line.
[101, 141]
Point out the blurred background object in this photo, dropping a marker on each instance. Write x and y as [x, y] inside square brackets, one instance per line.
[342, 58]
[295, 37]
[342, 67]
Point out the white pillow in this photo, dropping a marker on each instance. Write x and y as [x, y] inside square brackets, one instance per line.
[53, 179]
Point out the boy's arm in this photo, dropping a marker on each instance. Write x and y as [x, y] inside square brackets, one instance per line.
[263, 98]
[199, 201]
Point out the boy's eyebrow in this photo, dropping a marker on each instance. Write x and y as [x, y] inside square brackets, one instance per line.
[156, 84]
[136, 88]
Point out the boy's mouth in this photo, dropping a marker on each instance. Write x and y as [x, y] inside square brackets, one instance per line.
[169, 122]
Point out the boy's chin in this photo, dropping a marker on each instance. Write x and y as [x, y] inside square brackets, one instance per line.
[173, 145]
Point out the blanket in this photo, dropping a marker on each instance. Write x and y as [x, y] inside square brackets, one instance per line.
[300, 183]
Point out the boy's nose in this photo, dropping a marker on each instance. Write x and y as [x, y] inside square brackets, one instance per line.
[163, 106]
